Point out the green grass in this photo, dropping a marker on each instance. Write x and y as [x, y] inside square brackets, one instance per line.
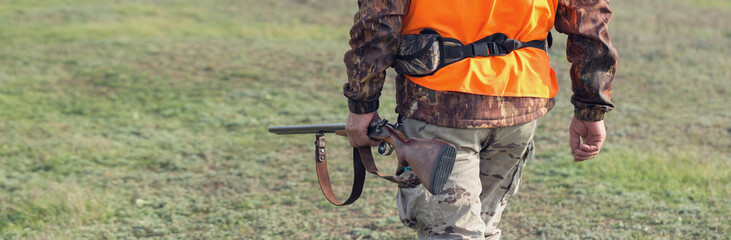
[135, 119]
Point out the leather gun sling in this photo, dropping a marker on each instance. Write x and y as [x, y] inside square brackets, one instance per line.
[362, 162]
[324, 178]
[365, 155]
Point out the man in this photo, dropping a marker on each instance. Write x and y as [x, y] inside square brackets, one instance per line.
[486, 105]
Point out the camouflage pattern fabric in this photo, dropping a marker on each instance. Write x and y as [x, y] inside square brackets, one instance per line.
[487, 171]
[592, 56]
[374, 41]
[463, 110]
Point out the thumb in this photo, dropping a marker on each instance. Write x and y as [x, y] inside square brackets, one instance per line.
[576, 131]
[574, 139]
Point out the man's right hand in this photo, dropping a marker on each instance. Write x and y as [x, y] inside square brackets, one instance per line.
[357, 129]
[592, 134]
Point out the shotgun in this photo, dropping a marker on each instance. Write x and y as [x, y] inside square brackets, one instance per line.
[430, 160]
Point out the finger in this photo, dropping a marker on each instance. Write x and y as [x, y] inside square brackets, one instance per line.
[582, 153]
[367, 142]
[574, 140]
[352, 142]
[357, 137]
[594, 143]
[372, 142]
[362, 140]
[581, 159]
[589, 148]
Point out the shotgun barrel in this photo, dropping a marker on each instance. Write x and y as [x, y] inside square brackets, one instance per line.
[305, 129]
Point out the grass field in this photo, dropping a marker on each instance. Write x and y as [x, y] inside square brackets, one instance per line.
[147, 119]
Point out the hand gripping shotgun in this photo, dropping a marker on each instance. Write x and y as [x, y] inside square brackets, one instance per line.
[430, 160]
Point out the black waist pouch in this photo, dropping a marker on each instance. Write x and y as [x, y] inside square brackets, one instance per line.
[419, 54]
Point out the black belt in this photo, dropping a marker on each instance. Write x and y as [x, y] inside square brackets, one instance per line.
[494, 45]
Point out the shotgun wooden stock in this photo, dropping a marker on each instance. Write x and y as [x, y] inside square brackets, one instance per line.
[431, 160]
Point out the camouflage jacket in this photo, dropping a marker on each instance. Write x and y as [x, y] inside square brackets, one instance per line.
[375, 41]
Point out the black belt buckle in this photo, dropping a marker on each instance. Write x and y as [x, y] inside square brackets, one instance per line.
[481, 49]
[496, 49]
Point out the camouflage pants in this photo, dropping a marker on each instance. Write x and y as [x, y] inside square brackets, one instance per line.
[487, 170]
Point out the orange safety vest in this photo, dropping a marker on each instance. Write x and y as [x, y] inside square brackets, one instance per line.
[524, 72]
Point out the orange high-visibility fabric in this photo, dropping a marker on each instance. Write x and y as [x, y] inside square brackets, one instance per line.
[525, 72]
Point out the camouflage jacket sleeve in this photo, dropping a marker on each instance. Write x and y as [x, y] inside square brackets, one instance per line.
[374, 41]
[592, 56]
